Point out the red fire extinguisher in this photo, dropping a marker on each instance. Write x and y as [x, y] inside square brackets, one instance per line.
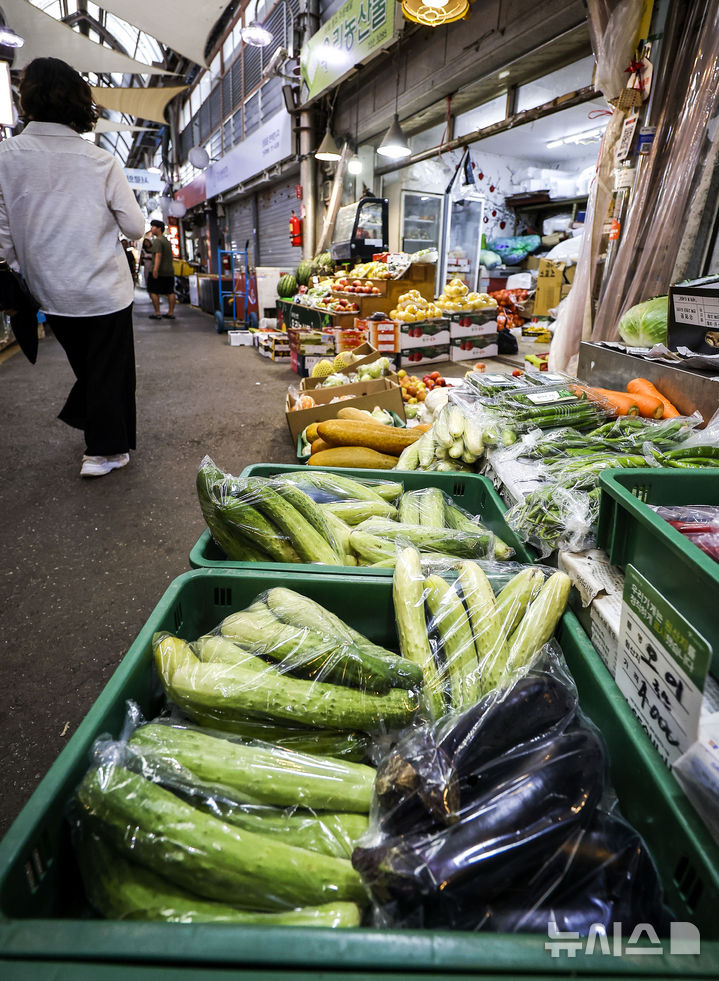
[295, 230]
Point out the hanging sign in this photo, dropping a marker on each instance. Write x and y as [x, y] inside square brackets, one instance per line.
[662, 667]
[360, 28]
[268, 145]
[142, 180]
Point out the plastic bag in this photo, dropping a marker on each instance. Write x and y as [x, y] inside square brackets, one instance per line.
[429, 507]
[287, 660]
[556, 516]
[698, 523]
[467, 640]
[696, 770]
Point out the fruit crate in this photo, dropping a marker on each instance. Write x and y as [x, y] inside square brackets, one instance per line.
[44, 918]
[633, 534]
[469, 491]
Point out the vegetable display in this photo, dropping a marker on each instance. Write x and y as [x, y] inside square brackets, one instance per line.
[311, 516]
[645, 324]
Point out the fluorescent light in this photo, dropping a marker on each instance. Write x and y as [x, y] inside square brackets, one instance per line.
[586, 136]
[504, 74]
[256, 35]
[327, 150]
[154, 170]
[9, 39]
[394, 143]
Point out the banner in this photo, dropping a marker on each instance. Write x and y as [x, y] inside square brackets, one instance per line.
[143, 180]
[268, 145]
[359, 29]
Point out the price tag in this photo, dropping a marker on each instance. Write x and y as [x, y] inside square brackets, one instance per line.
[662, 666]
[550, 398]
[625, 141]
[497, 379]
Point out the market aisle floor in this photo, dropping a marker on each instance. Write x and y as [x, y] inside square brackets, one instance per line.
[86, 560]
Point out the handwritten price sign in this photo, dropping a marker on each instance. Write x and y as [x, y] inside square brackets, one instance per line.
[661, 667]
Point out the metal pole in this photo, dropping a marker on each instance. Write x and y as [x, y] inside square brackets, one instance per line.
[310, 19]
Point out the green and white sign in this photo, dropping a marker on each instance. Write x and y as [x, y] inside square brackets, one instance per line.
[662, 667]
[358, 29]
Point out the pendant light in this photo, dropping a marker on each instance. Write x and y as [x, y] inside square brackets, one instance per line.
[394, 143]
[435, 13]
[354, 165]
[328, 149]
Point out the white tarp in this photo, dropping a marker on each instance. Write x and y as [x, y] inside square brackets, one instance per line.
[182, 25]
[46, 37]
[108, 126]
[138, 102]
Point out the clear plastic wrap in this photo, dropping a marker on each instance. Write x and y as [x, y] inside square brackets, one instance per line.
[467, 639]
[556, 517]
[494, 819]
[550, 407]
[287, 660]
[699, 523]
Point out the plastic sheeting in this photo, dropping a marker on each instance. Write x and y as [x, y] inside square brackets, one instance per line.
[46, 37]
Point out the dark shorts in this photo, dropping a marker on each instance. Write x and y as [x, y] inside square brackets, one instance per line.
[160, 285]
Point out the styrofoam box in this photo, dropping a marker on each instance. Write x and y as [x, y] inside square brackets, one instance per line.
[239, 338]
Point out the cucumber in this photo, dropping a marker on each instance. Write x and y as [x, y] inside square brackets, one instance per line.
[312, 513]
[540, 621]
[122, 890]
[258, 773]
[255, 527]
[409, 457]
[407, 595]
[337, 485]
[409, 507]
[457, 519]
[305, 652]
[306, 540]
[353, 512]
[199, 852]
[455, 421]
[292, 607]
[425, 449]
[440, 429]
[431, 508]
[229, 691]
[451, 623]
[515, 597]
[463, 544]
[235, 547]
[372, 548]
[341, 532]
[390, 490]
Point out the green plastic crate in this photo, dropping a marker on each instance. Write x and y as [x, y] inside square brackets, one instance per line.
[633, 534]
[470, 491]
[42, 913]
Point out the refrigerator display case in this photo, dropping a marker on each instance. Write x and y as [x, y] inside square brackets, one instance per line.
[360, 230]
[421, 220]
[462, 240]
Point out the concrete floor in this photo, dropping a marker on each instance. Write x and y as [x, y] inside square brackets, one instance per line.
[85, 561]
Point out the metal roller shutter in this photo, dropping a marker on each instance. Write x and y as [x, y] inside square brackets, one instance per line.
[275, 205]
[241, 225]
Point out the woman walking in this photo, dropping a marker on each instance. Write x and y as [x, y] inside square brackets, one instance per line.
[63, 202]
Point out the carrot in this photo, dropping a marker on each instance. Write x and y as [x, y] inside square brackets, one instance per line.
[622, 403]
[642, 386]
[647, 406]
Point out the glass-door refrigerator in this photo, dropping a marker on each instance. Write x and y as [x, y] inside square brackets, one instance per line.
[462, 239]
[421, 220]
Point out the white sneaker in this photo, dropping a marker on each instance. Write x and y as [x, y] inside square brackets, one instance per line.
[98, 466]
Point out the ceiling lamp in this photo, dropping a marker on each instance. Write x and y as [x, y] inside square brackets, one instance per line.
[256, 35]
[354, 165]
[9, 39]
[394, 143]
[328, 149]
[435, 13]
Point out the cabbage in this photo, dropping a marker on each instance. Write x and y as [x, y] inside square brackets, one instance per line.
[645, 324]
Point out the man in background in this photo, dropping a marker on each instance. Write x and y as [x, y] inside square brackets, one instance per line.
[161, 281]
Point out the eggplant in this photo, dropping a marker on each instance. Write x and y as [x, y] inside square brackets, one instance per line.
[416, 787]
[537, 704]
[506, 834]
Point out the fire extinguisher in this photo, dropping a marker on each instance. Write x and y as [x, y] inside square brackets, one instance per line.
[295, 230]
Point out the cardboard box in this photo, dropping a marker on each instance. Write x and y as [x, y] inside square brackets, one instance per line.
[310, 342]
[474, 348]
[531, 262]
[418, 357]
[382, 392]
[694, 316]
[473, 324]
[384, 335]
[369, 356]
[554, 281]
[429, 333]
[349, 338]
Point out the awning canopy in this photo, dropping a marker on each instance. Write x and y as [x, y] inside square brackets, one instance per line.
[46, 37]
[139, 102]
[183, 25]
[109, 126]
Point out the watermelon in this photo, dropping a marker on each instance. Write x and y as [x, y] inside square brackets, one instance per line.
[287, 286]
[304, 271]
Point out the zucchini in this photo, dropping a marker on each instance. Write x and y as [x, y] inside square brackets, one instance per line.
[409, 508]
[255, 527]
[292, 607]
[229, 691]
[486, 622]
[540, 620]
[258, 773]
[150, 825]
[305, 652]
[473, 436]
[307, 541]
[450, 621]
[122, 890]
[353, 512]
[407, 595]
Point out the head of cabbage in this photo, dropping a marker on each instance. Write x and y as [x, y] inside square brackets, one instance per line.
[645, 324]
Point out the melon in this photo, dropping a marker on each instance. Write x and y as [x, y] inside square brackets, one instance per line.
[304, 271]
[287, 286]
[322, 369]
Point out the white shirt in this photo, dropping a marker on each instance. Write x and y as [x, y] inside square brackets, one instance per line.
[62, 200]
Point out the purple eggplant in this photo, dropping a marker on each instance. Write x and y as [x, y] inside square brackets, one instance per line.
[509, 830]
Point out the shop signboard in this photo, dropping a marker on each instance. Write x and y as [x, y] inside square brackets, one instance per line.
[268, 145]
[359, 29]
[140, 179]
[193, 193]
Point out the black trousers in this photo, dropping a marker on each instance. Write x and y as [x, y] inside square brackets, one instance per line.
[101, 352]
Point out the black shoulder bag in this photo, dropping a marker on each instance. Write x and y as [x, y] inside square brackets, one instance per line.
[18, 301]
